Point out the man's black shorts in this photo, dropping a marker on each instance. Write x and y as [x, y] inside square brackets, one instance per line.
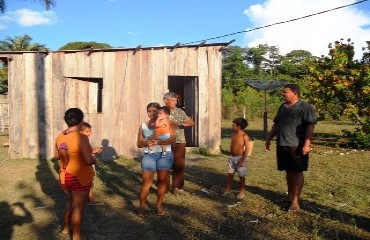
[291, 159]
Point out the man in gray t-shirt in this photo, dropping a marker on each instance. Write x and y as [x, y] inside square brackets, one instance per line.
[293, 126]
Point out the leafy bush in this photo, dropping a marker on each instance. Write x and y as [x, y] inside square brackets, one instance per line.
[357, 139]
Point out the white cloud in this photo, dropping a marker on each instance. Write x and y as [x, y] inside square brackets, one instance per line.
[27, 18]
[313, 33]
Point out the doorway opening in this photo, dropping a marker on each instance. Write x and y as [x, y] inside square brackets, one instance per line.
[186, 88]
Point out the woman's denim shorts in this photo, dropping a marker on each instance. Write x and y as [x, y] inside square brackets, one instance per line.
[154, 161]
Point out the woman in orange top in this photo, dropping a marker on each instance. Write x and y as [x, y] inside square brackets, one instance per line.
[76, 173]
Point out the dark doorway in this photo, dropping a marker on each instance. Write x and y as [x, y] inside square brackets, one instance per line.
[186, 88]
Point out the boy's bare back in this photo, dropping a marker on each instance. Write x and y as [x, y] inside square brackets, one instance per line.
[239, 143]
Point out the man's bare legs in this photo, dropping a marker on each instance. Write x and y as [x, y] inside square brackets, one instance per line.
[295, 181]
[162, 177]
[290, 183]
[79, 200]
[146, 183]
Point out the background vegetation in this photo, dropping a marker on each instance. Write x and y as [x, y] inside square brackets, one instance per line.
[337, 84]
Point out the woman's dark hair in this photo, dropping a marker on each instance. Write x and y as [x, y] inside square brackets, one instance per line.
[165, 109]
[153, 104]
[241, 122]
[73, 117]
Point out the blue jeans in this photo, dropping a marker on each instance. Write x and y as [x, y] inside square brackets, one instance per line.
[155, 161]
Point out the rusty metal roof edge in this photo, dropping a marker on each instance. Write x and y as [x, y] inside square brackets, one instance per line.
[122, 49]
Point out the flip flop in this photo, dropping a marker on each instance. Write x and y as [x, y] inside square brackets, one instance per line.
[159, 212]
[143, 212]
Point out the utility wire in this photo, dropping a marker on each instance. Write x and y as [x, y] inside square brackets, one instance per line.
[273, 24]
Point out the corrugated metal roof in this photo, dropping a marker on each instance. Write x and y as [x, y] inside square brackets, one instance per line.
[124, 49]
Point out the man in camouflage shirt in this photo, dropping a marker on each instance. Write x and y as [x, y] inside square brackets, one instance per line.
[178, 117]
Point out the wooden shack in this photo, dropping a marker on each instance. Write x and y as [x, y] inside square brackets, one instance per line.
[112, 87]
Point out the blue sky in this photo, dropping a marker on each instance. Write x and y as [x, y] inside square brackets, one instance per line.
[129, 23]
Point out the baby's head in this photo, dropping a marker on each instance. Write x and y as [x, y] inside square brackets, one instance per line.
[164, 111]
[85, 129]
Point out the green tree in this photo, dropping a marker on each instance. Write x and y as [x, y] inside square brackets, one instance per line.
[256, 56]
[85, 45]
[234, 69]
[295, 63]
[338, 81]
[48, 4]
[21, 43]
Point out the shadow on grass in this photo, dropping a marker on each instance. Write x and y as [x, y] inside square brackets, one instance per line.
[103, 222]
[15, 214]
[321, 211]
[326, 139]
[121, 182]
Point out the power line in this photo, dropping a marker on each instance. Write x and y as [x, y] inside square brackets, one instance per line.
[273, 24]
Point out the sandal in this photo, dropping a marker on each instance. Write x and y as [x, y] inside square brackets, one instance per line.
[159, 212]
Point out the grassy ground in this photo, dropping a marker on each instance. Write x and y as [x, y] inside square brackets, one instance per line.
[335, 202]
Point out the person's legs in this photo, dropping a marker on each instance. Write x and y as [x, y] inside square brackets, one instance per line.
[67, 216]
[146, 183]
[229, 179]
[290, 184]
[148, 168]
[162, 176]
[297, 187]
[241, 185]
[78, 204]
[91, 196]
[178, 175]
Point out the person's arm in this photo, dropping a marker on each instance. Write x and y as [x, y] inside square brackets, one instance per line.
[56, 154]
[310, 121]
[142, 142]
[309, 134]
[246, 150]
[188, 122]
[97, 150]
[86, 150]
[270, 137]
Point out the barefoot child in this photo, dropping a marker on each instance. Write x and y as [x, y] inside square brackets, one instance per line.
[86, 130]
[162, 127]
[240, 148]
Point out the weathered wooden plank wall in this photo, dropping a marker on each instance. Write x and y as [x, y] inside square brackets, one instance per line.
[43, 87]
[16, 102]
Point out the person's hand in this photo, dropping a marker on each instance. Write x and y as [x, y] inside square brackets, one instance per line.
[240, 163]
[306, 149]
[95, 159]
[97, 150]
[267, 146]
[151, 142]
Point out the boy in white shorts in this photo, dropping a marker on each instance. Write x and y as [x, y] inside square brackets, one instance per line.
[240, 149]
